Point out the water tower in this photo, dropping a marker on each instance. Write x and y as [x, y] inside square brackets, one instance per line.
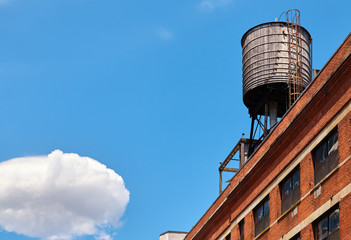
[277, 67]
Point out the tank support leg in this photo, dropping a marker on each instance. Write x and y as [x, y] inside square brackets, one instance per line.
[265, 129]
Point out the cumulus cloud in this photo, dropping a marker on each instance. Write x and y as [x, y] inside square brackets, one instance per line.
[60, 196]
[210, 5]
[164, 34]
[103, 236]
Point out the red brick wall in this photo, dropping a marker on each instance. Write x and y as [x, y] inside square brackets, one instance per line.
[318, 106]
[345, 218]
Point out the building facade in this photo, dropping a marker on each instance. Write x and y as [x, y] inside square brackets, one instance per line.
[297, 183]
[173, 235]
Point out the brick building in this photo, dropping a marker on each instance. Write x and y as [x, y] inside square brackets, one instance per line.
[172, 235]
[297, 183]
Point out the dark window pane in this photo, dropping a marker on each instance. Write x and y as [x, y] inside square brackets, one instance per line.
[334, 221]
[323, 229]
[320, 155]
[333, 143]
[297, 237]
[266, 208]
[287, 188]
[290, 190]
[326, 156]
[241, 229]
[327, 228]
[259, 214]
[296, 179]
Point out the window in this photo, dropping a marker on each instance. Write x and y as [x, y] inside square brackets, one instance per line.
[261, 215]
[290, 190]
[327, 227]
[241, 229]
[325, 156]
[296, 237]
[228, 237]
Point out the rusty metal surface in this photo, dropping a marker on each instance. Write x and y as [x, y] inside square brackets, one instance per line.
[232, 153]
[223, 167]
[295, 55]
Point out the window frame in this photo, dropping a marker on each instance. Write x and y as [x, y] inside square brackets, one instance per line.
[294, 194]
[324, 161]
[296, 237]
[242, 229]
[334, 234]
[261, 222]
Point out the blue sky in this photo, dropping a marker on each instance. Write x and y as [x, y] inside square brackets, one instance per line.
[151, 89]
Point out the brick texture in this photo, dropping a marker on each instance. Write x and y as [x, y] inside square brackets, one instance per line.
[327, 96]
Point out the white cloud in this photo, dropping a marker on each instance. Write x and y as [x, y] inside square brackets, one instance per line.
[164, 34]
[210, 5]
[103, 236]
[60, 196]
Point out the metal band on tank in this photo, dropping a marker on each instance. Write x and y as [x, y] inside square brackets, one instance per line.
[259, 70]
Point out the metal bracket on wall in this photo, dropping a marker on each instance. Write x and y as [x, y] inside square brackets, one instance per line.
[242, 148]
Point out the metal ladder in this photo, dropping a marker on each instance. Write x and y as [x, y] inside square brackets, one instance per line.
[295, 55]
